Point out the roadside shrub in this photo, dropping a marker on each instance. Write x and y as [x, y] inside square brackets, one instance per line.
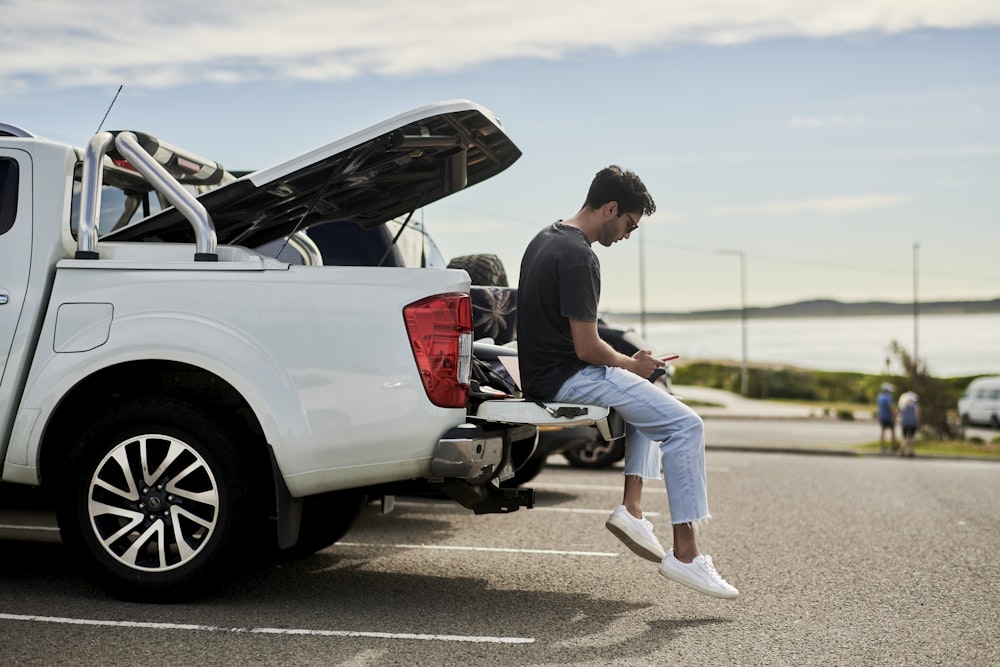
[781, 382]
[938, 396]
[936, 401]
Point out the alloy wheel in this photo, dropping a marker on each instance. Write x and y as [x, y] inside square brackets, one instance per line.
[153, 502]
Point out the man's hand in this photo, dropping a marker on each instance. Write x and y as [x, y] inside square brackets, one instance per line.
[644, 363]
[590, 347]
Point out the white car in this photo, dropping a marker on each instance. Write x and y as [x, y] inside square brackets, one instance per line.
[980, 404]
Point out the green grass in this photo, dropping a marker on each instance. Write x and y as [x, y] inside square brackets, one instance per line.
[846, 390]
[959, 448]
[694, 403]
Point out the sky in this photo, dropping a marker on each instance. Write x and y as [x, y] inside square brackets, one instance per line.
[796, 149]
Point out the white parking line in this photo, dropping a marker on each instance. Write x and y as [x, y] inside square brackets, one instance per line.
[437, 507]
[651, 485]
[446, 547]
[21, 526]
[580, 510]
[267, 631]
[581, 487]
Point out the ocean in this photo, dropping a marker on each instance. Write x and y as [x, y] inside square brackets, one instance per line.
[950, 345]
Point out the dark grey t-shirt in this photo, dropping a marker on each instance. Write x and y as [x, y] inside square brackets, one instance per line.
[560, 278]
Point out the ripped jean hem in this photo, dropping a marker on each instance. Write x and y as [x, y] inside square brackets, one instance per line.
[662, 434]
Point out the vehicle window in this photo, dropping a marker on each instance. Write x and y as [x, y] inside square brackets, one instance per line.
[8, 193]
[343, 243]
[118, 208]
[126, 197]
[416, 248]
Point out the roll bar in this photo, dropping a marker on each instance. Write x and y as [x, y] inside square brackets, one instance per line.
[130, 146]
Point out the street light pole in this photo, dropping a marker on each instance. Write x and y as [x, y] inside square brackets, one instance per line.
[916, 302]
[642, 282]
[744, 366]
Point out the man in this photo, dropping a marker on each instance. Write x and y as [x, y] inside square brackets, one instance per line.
[563, 359]
[886, 416]
[909, 421]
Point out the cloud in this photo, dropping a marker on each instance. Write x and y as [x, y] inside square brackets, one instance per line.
[62, 43]
[824, 206]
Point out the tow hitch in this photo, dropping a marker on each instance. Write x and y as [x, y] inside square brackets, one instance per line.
[488, 498]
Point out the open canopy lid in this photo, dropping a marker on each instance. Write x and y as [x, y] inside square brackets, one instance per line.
[369, 177]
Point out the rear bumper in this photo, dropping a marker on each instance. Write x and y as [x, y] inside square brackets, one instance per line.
[471, 460]
[479, 452]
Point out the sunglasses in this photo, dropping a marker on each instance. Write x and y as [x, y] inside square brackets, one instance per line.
[633, 224]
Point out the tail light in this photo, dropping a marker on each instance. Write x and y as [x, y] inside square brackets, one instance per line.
[440, 330]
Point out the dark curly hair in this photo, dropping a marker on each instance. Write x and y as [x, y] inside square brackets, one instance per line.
[615, 184]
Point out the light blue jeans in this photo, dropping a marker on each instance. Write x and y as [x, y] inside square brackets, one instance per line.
[660, 431]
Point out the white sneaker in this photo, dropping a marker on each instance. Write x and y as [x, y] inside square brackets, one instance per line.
[700, 574]
[636, 534]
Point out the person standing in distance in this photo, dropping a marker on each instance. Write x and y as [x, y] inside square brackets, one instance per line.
[562, 358]
[886, 417]
[909, 421]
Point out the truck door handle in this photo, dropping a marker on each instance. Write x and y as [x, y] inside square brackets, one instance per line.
[4, 297]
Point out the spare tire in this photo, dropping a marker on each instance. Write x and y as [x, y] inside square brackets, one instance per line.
[483, 269]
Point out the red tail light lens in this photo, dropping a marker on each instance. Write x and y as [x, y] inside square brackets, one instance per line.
[440, 330]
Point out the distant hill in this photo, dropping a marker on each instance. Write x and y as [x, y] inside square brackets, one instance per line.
[827, 308]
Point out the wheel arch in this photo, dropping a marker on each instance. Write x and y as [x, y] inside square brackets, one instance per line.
[98, 391]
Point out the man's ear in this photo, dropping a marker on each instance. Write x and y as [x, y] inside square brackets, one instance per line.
[610, 209]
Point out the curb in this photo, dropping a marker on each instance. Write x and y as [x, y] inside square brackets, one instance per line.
[809, 451]
[764, 417]
[812, 451]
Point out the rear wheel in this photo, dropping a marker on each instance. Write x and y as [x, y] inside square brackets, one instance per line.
[599, 454]
[155, 500]
[527, 472]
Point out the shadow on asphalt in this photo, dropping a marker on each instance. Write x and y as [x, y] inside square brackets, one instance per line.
[332, 590]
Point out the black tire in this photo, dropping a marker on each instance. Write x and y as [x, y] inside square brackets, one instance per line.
[994, 422]
[325, 519]
[525, 473]
[155, 500]
[483, 269]
[599, 454]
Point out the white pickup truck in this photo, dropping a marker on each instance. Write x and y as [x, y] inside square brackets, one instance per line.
[178, 396]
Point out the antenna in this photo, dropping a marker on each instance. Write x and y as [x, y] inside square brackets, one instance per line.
[115, 99]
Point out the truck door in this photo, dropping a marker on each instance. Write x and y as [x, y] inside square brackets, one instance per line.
[15, 246]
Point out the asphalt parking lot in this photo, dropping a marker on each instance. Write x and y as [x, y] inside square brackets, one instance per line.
[840, 561]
